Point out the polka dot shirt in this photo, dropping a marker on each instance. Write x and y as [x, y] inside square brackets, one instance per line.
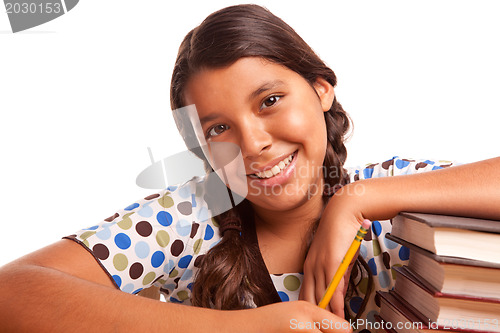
[161, 239]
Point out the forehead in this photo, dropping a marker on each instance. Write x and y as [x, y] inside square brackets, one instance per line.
[238, 81]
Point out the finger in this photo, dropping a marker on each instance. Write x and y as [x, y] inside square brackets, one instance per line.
[307, 289]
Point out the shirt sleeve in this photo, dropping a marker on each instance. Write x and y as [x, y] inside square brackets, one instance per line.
[397, 166]
[157, 238]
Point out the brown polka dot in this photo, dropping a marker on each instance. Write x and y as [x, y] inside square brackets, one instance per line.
[101, 251]
[111, 218]
[420, 165]
[176, 280]
[177, 247]
[387, 164]
[135, 270]
[194, 229]
[386, 257]
[371, 166]
[185, 208]
[198, 261]
[144, 228]
[165, 291]
[369, 235]
[152, 196]
[356, 177]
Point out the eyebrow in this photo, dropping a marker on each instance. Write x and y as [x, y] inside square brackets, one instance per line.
[265, 87]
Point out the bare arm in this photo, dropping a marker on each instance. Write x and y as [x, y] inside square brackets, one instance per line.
[61, 288]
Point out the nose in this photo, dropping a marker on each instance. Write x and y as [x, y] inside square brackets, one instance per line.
[255, 139]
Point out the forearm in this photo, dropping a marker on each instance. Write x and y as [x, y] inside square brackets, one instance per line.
[468, 190]
[47, 300]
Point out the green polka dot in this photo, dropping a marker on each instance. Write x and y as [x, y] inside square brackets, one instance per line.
[363, 285]
[291, 283]
[162, 282]
[126, 223]
[86, 243]
[173, 273]
[166, 201]
[120, 261]
[87, 234]
[214, 221]
[182, 295]
[148, 278]
[197, 246]
[376, 248]
[393, 271]
[162, 238]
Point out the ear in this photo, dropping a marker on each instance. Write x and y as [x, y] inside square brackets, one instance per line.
[325, 93]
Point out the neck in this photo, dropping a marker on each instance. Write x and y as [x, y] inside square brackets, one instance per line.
[291, 223]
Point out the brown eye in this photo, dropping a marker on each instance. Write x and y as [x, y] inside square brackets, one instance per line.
[270, 101]
[217, 130]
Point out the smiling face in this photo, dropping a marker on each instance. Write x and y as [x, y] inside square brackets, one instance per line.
[276, 118]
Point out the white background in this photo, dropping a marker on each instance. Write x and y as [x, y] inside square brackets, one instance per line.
[83, 96]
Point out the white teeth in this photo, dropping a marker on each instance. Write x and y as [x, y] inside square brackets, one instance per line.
[275, 169]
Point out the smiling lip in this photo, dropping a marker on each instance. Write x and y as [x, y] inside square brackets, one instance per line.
[278, 179]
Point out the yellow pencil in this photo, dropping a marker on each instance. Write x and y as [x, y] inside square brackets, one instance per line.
[344, 264]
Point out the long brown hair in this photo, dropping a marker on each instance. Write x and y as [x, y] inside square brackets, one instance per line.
[226, 278]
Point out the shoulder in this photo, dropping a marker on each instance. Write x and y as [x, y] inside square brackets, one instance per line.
[396, 166]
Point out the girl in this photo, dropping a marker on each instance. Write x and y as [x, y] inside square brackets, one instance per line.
[258, 86]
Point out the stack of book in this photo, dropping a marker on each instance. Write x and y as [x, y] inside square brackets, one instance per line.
[452, 281]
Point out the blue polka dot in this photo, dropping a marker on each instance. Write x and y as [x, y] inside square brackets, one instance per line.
[184, 192]
[184, 261]
[203, 214]
[190, 286]
[104, 234]
[142, 249]
[164, 218]
[193, 200]
[404, 253]
[128, 288]
[187, 275]
[376, 227]
[157, 259]
[183, 227]
[170, 287]
[146, 211]
[367, 173]
[209, 233]
[169, 266]
[132, 206]
[284, 297]
[400, 164]
[436, 167]
[118, 280]
[355, 304]
[92, 228]
[172, 188]
[122, 241]
[136, 291]
[363, 251]
[389, 244]
[384, 279]
[429, 162]
[373, 266]
[174, 300]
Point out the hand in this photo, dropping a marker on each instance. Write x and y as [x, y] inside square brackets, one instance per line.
[296, 316]
[338, 225]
